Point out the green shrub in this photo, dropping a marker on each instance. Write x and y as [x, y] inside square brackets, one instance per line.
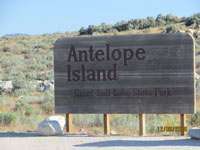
[193, 20]
[21, 104]
[6, 118]
[171, 18]
[30, 99]
[194, 119]
[31, 75]
[88, 120]
[155, 120]
[172, 29]
[6, 48]
[113, 31]
[6, 100]
[28, 116]
[20, 92]
[97, 130]
[127, 121]
[96, 33]
[49, 95]
[98, 121]
[160, 20]
[47, 107]
[30, 110]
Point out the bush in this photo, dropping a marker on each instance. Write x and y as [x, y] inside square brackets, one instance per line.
[193, 20]
[6, 100]
[135, 24]
[113, 31]
[160, 20]
[96, 33]
[172, 19]
[155, 120]
[125, 121]
[6, 48]
[194, 119]
[21, 104]
[21, 92]
[140, 24]
[7, 118]
[89, 120]
[34, 99]
[171, 29]
[97, 130]
[30, 110]
[47, 107]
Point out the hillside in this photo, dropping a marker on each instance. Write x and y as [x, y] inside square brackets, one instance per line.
[26, 75]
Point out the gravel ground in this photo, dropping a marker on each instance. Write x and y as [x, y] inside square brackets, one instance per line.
[30, 141]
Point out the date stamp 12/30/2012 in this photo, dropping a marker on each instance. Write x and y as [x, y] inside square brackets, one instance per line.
[171, 129]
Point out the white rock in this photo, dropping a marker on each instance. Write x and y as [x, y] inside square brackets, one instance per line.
[52, 125]
[6, 86]
[194, 133]
[39, 86]
[112, 132]
[48, 128]
[60, 119]
[44, 85]
[197, 76]
[82, 131]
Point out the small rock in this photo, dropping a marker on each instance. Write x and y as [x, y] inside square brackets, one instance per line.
[197, 76]
[52, 125]
[112, 132]
[44, 85]
[39, 86]
[82, 131]
[194, 133]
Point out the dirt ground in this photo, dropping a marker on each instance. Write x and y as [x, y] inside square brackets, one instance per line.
[31, 141]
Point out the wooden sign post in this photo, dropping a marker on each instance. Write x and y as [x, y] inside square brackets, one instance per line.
[123, 74]
[142, 124]
[107, 124]
[69, 123]
[183, 124]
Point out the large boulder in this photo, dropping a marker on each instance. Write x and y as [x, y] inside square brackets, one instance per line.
[194, 133]
[52, 125]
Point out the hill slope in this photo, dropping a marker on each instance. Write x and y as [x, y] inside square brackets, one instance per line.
[27, 62]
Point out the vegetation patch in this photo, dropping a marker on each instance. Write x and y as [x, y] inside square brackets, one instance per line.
[27, 61]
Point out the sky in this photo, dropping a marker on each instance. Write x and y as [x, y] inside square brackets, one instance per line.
[49, 16]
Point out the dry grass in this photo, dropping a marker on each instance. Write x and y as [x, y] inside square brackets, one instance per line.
[120, 128]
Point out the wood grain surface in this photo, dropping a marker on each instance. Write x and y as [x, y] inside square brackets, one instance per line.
[152, 73]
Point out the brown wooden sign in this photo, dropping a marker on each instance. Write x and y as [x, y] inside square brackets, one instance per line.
[151, 73]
